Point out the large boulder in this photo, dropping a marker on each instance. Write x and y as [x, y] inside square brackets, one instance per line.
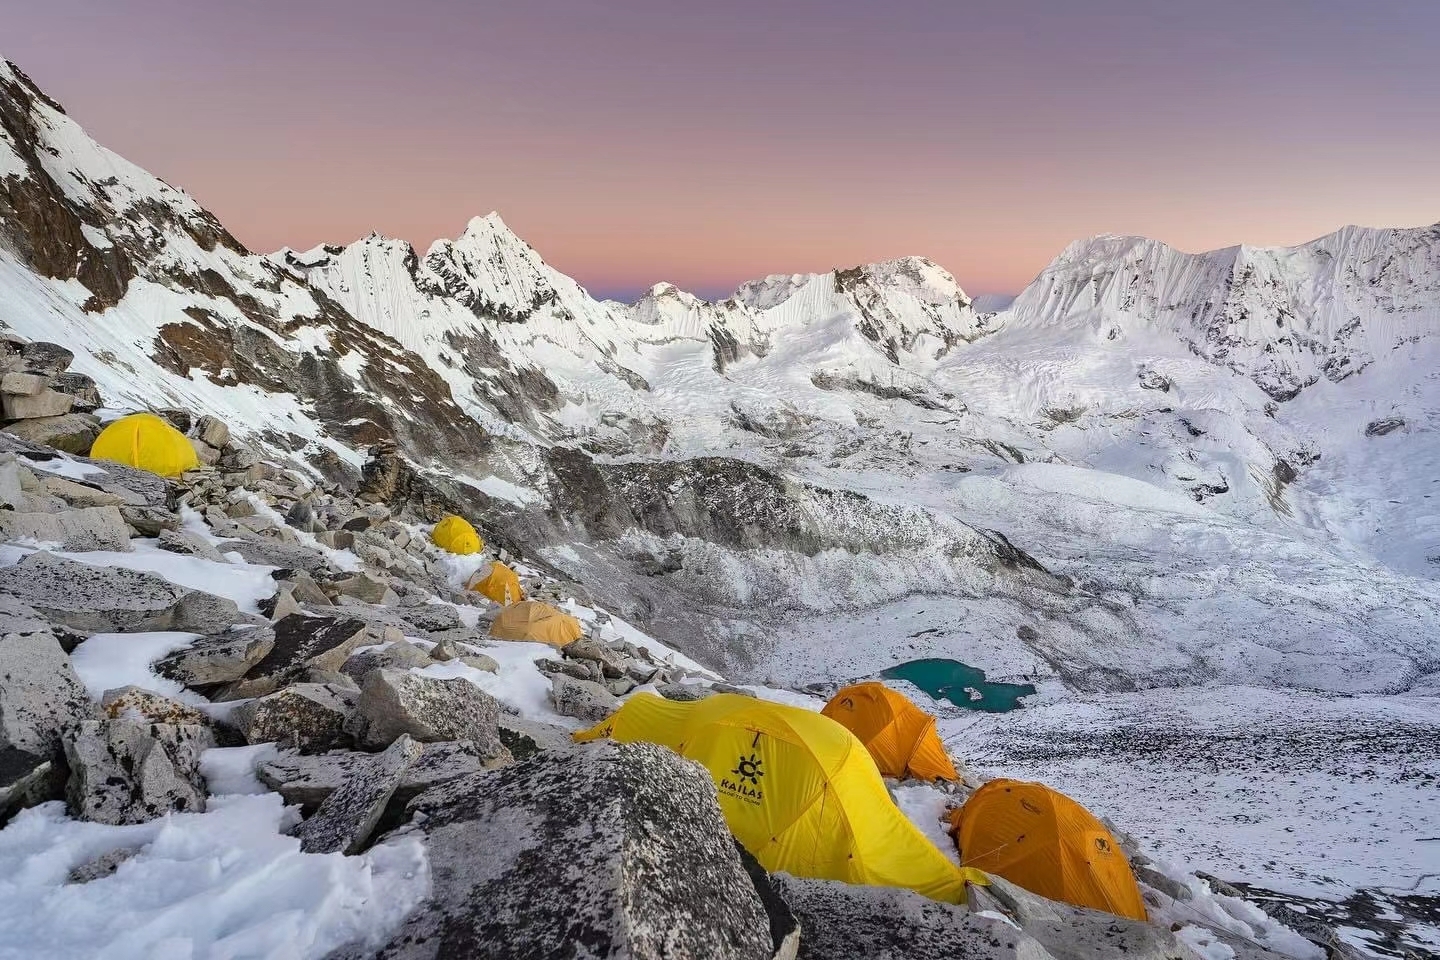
[309, 717]
[71, 432]
[42, 403]
[348, 816]
[395, 702]
[400, 655]
[45, 358]
[841, 921]
[308, 779]
[90, 528]
[141, 704]
[128, 770]
[615, 851]
[82, 389]
[113, 599]
[582, 699]
[302, 643]
[40, 700]
[218, 659]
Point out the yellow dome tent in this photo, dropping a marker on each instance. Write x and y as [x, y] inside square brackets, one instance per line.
[1047, 843]
[147, 442]
[797, 789]
[899, 735]
[501, 584]
[536, 622]
[456, 535]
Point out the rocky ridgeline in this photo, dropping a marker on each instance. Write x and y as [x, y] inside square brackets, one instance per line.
[538, 846]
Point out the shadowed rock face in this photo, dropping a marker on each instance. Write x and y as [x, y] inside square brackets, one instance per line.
[632, 835]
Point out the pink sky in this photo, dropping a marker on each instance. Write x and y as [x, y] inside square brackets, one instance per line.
[632, 142]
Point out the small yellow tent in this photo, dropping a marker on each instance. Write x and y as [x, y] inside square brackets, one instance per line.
[500, 584]
[536, 622]
[456, 535]
[899, 735]
[147, 442]
[1047, 843]
[797, 790]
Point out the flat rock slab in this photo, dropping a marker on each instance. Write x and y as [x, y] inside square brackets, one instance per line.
[70, 433]
[309, 717]
[309, 779]
[616, 851]
[348, 816]
[74, 530]
[223, 658]
[1075, 933]
[130, 771]
[842, 921]
[302, 642]
[396, 702]
[112, 599]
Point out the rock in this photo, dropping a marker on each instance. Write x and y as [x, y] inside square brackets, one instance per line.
[112, 599]
[840, 921]
[137, 703]
[1173, 889]
[582, 699]
[684, 692]
[308, 779]
[13, 478]
[446, 649]
[86, 529]
[634, 836]
[309, 717]
[130, 771]
[641, 672]
[1378, 428]
[150, 521]
[188, 543]
[363, 587]
[102, 866]
[433, 617]
[307, 591]
[281, 605]
[77, 494]
[784, 925]
[579, 669]
[401, 655]
[44, 358]
[730, 688]
[40, 699]
[300, 516]
[336, 539]
[205, 453]
[393, 703]
[81, 388]
[301, 642]
[213, 432]
[240, 508]
[140, 488]
[71, 433]
[619, 687]
[218, 659]
[22, 384]
[348, 815]
[45, 403]
[525, 738]
[479, 661]
[1075, 933]
[612, 666]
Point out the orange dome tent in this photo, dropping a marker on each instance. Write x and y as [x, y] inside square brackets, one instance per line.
[899, 735]
[536, 622]
[501, 584]
[1047, 843]
[147, 442]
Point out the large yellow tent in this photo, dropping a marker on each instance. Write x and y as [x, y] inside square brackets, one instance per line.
[147, 442]
[1047, 843]
[797, 790]
[899, 735]
[537, 622]
[456, 535]
[500, 584]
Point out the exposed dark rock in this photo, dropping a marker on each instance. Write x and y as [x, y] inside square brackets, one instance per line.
[349, 814]
[634, 836]
[309, 779]
[301, 642]
[1378, 428]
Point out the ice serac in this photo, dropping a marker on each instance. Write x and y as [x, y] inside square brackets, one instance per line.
[1284, 316]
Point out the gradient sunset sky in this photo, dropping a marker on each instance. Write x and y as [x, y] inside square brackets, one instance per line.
[709, 143]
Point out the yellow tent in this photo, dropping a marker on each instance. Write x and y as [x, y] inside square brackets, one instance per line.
[456, 535]
[147, 442]
[1047, 843]
[538, 622]
[899, 735]
[797, 789]
[501, 584]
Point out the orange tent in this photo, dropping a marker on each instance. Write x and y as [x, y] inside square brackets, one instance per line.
[1040, 839]
[899, 735]
[501, 584]
[536, 622]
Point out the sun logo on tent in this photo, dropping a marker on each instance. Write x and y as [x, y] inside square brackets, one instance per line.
[748, 768]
